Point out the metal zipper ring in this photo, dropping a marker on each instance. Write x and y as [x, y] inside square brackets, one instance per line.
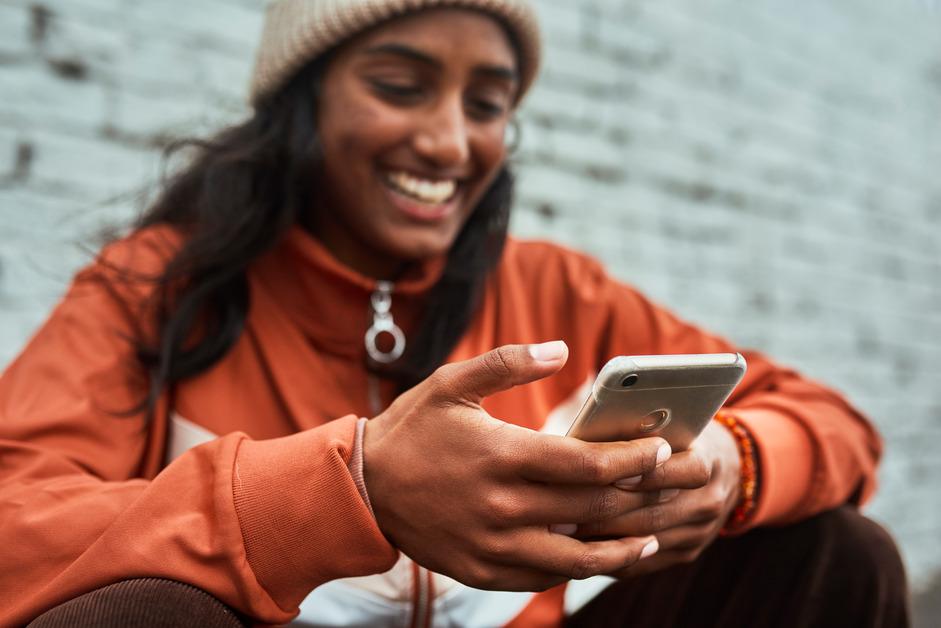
[382, 321]
[398, 338]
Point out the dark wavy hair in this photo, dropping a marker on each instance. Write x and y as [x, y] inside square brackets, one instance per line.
[238, 195]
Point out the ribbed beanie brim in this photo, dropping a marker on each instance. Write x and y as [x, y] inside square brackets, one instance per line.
[297, 31]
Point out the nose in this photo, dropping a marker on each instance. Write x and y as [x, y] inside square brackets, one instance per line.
[443, 136]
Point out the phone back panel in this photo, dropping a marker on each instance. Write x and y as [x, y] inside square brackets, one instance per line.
[673, 397]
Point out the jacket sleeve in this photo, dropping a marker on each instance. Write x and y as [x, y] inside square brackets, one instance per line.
[815, 450]
[84, 502]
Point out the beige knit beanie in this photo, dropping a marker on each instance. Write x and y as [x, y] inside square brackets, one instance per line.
[296, 31]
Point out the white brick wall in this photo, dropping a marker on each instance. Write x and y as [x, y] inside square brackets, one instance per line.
[766, 168]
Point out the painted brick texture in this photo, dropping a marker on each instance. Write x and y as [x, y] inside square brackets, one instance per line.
[767, 169]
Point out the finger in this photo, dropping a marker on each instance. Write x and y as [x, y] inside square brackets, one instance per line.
[571, 558]
[536, 504]
[495, 577]
[688, 537]
[500, 369]
[684, 470]
[682, 510]
[558, 459]
[657, 562]
[677, 546]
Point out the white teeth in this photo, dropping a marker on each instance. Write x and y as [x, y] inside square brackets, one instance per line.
[431, 192]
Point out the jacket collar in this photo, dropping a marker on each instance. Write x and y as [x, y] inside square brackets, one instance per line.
[329, 301]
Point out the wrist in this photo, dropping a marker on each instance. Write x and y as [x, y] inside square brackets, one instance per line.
[747, 502]
[356, 464]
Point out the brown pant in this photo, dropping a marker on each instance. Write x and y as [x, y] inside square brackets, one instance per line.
[836, 569]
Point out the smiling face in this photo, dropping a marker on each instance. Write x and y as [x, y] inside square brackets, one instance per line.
[411, 121]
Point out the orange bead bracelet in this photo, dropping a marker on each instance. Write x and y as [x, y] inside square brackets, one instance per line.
[748, 499]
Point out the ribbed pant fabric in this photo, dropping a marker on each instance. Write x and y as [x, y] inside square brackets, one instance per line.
[144, 602]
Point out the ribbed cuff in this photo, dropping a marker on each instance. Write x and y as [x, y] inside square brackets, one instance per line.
[356, 464]
[303, 519]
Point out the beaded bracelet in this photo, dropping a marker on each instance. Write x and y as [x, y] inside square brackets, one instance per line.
[748, 499]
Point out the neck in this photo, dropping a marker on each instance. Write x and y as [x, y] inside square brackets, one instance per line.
[356, 255]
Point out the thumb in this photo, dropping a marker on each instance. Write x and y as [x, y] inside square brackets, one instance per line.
[501, 369]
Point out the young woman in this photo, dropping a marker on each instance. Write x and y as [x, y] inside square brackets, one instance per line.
[192, 410]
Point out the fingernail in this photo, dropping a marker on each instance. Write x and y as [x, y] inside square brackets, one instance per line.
[548, 351]
[663, 454]
[650, 549]
[668, 493]
[566, 529]
[629, 482]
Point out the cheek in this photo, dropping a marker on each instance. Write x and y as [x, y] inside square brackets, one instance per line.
[491, 149]
[350, 125]
[347, 136]
[492, 158]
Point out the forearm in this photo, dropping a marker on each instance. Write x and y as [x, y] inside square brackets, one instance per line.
[258, 524]
[815, 451]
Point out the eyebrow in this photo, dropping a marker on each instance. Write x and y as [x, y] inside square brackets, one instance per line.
[401, 50]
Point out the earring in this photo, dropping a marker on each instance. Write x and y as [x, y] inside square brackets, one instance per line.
[514, 136]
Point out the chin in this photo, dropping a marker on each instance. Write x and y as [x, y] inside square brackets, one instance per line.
[421, 251]
[418, 244]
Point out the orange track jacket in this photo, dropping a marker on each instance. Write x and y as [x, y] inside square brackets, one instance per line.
[265, 513]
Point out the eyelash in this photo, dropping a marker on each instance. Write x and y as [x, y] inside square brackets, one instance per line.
[393, 89]
[485, 108]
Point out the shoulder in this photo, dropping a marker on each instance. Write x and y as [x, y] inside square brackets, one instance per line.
[134, 263]
[557, 269]
[126, 273]
[142, 253]
[536, 257]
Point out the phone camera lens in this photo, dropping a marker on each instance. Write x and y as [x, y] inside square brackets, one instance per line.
[630, 380]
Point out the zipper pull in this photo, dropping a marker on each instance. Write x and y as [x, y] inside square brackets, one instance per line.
[382, 322]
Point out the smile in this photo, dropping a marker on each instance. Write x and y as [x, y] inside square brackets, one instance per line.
[422, 190]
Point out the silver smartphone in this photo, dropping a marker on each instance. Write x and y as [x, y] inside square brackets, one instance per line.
[671, 396]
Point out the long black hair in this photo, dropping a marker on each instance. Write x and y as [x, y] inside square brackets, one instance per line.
[238, 195]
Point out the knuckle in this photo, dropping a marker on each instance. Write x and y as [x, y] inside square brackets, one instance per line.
[690, 555]
[655, 518]
[711, 510]
[493, 546]
[717, 495]
[480, 577]
[502, 507]
[586, 565]
[441, 378]
[604, 505]
[443, 372]
[604, 464]
[710, 507]
[503, 457]
[702, 471]
[498, 362]
[594, 465]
